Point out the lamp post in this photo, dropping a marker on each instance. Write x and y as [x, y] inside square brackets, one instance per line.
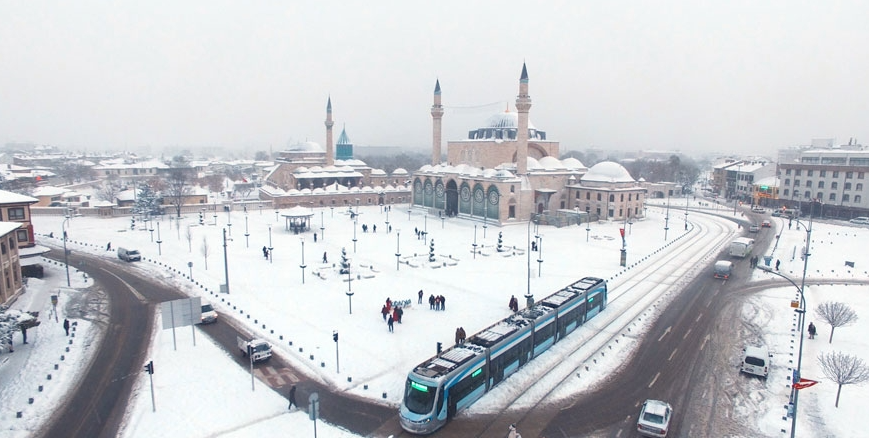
[151, 229]
[303, 266]
[667, 219]
[322, 227]
[276, 215]
[246, 233]
[229, 219]
[354, 235]
[387, 219]
[588, 226]
[271, 249]
[159, 241]
[539, 255]
[529, 298]
[65, 251]
[226, 261]
[475, 242]
[686, 211]
[397, 247]
[349, 291]
[485, 217]
[795, 394]
[215, 217]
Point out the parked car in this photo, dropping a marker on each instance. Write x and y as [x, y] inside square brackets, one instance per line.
[129, 255]
[862, 220]
[753, 228]
[654, 418]
[766, 224]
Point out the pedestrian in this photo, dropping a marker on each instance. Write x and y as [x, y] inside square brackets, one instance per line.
[812, 330]
[109, 246]
[463, 335]
[458, 335]
[420, 297]
[389, 323]
[315, 237]
[395, 314]
[437, 303]
[384, 312]
[431, 302]
[374, 228]
[265, 252]
[325, 260]
[790, 222]
[66, 326]
[24, 334]
[400, 313]
[443, 303]
[388, 305]
[777, 264]
[512, 432]
[390, 228]
[292, 398]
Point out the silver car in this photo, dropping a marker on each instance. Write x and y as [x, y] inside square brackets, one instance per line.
[860, 220]
[654, 418]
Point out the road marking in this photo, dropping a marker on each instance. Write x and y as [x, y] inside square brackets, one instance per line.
[698, 317]
[686, 334]
[703, 344]
[654, 380]
[672, 354]
[132, 289]
[276, 378]
[665, 333]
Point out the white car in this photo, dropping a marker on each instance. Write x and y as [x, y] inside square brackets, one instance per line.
[862, 220]
[654, 418]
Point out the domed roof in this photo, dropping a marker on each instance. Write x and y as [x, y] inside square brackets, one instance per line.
[399, 171]
[608, 171]
[551, 163]
[506, 119]
[308, 146]
[572, 163]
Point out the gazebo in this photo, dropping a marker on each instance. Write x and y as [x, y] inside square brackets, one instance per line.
[298, 219]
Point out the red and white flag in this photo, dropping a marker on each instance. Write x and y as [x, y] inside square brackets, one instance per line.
[805, 383]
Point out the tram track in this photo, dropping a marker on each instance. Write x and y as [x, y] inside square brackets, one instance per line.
[629, 299]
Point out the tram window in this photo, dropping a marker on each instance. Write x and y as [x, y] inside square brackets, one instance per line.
[419, 398]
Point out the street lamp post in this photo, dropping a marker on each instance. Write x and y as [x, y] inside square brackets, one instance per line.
[588, 227]
[667, 220]
[246, 233]
[387, 219]
[151, 228]
[225, 262]
[303, 266]
[229, 219]
[529, 298]
[539, 255]
[349, 291]
[322, 227]
[397, 247]
[270, 243]
[686, 211]
[475, 242]
[485, 217]
[354, 236]
[215, 217]
[159, 241]
[65, 251]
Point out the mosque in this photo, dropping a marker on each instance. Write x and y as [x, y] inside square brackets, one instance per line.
[508, 171]
[504, 172]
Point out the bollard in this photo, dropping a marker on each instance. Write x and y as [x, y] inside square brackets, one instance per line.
[322, 364]
[30, 400]
[62, 357]
[18, 414]
[312, 356]
[48, 377]
[349, 379]
[40, 388]
[365, 387]
[56, 366]
[384, 395]
[281, 337]
[301, 350]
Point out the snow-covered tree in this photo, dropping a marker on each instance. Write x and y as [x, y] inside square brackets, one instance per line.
[147, 201]
[345, 262]
[431, 255]
[12, 320]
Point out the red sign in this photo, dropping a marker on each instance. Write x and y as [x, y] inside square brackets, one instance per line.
[622, 230]
[805, 383]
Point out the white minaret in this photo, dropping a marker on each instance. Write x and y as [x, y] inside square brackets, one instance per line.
[523, 105]
[330, 150]
[437, 114]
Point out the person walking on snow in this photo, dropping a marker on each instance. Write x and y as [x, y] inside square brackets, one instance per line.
[777, 264]
[389, 323]
[420, 297]
[384, 312]
[812, 330]
[292, 398]
[66, 326]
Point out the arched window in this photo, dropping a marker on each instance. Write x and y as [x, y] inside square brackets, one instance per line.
[612, 198]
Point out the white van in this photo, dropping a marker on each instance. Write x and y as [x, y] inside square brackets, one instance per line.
[129, 255]
[756, 360]
[208, 313]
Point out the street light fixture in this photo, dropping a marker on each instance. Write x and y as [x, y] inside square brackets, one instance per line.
[246, 233]
[303, 266]
[271, 249]
[475, 242]
[322, 227]
[65, 251]
[667, 219]
[225, 262]
[539, 255]
[397, 247]
[529, 298]
[159, 241]
[354, 235]
[349, 291]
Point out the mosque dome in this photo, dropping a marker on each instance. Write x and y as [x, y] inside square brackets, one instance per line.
[506, 119]
[572, 163]
[503, 126]
[608, 171]
[308, 146]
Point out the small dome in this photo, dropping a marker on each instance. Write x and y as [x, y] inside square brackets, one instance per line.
[551, 163]
[608, 171]
[308, 146]
[572, 163]
[301, 169]
[377, 172]
[533, 164]
[399, 171]
[506, 119]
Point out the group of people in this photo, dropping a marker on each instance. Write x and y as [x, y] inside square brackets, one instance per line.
[437, 302]
[514, 303]
[460, 335]
[391, 314]
[265, 252]
[365, 228]
[752, 262]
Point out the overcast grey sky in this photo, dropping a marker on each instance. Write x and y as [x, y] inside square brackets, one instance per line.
[728, 76]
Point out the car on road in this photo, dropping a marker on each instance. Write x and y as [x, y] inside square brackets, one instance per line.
[862, 220]
[777, 213]
[753, 228]
[654, 418]
[766, 224]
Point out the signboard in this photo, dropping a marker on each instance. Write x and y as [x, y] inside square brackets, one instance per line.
[183, 312]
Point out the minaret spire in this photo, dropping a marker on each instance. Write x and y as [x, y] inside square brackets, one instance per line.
[330, 152]
[523, 106]
[437, 114]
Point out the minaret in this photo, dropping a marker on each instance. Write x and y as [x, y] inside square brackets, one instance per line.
[330, 152]
[523, 105]
[437, 113]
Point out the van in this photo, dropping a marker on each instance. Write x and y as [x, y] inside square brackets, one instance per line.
[755, 360]
[208, 314]
[129, 255]
[723, 269]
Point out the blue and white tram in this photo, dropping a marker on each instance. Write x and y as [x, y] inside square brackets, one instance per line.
[443, 385]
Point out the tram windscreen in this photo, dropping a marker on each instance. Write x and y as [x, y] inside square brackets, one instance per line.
[419, 398]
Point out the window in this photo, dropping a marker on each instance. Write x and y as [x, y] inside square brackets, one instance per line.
[858, 199]
[612, 198]
[798, 171]
[834, 185]
[847, 186]
[630, 195]
[796, 183]
[820, 184]
[787, 171]
[846, 197]
[820, 196]
[2, 247]
[860, 175]
[588, 195]
[810, 172]
[823, 173]
[808, 183]
[16, 214]
[787, 181]
[786, 192]
[621, 199]
[577, 194]
[598, 198]
[832, 196]
[859, 186]
[849, 175]
[808, 194]
[22, 236]
[835, 174]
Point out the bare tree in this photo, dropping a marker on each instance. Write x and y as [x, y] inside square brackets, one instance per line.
[109, 189]
[204, 250]
[843, 369]
[189, 236]
[177, 187]
[836, 314]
